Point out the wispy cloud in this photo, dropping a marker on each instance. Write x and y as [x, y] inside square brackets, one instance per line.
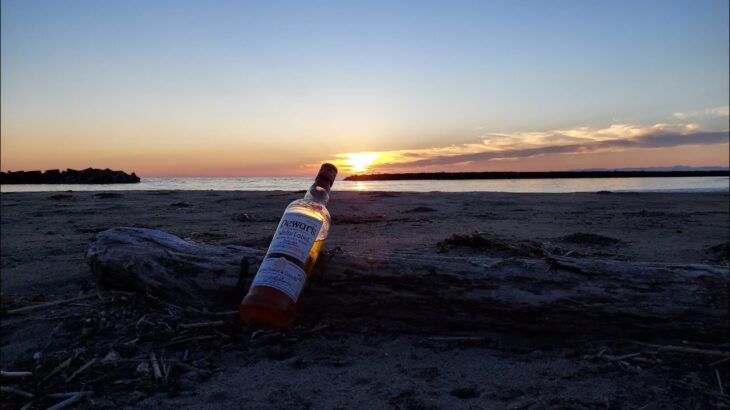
[715, 112]
[504, 146]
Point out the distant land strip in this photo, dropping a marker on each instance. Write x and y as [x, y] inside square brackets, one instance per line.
[535, 175]
[69, 176]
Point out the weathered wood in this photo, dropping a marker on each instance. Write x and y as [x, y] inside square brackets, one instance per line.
[550, 295]
[166, 266]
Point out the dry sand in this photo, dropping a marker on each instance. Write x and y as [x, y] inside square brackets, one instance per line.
[349, 365]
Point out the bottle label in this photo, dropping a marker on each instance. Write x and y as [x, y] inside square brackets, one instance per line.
[295, 236]
[281, 274]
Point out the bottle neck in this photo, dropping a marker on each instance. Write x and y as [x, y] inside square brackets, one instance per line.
[318, 192]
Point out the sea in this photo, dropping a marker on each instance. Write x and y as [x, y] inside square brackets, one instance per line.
[556, 185]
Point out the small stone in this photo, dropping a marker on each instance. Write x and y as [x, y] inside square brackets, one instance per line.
[243, 217]
[110, 357]
[143, 368]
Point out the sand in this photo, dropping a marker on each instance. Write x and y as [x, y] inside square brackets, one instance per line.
[348, 365]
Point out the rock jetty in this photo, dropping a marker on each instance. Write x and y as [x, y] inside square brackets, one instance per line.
[69, 176]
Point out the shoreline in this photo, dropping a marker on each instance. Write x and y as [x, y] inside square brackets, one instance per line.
[680, 184]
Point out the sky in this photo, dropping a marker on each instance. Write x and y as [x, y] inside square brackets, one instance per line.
[274, 88]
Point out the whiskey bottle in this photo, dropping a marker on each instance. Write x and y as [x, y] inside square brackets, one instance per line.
[271, 300]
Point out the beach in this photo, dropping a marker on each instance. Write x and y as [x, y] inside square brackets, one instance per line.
[368, 362]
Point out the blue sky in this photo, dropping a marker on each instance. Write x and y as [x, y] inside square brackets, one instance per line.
[285, 84]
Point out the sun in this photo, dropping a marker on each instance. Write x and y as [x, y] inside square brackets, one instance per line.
[360, 161]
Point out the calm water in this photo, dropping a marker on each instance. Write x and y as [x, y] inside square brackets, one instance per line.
[684, 184]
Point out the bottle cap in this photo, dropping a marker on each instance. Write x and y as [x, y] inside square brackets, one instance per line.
[326, 175]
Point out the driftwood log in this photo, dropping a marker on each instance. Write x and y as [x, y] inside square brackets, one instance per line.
[549, 295]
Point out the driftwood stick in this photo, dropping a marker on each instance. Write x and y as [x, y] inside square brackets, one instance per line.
[4, 373]
[15, 390]
[65, 403]
[53, 303]
[81, 369]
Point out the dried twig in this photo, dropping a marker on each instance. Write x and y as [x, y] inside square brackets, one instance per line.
[205, 359]
[721, 361]
[227, 313]
[316, 328]
[185, 340]
[155, 366]
[4, 373]
[81, 369]
[202, 372]
[131, 342]
[456, 338]
[169, 328]
[186, 308]
[719, 382]
[15, 390]
[53, 303]
[69, 394]
[611, 358]
[702, 389]
[165, 371]
[58, 368]
[119, 292]
[683, 349]
[53, 332]
[200, 324]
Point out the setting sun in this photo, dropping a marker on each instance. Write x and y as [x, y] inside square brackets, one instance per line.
[360, 162]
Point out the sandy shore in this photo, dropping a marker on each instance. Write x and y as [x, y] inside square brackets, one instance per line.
[44, 238]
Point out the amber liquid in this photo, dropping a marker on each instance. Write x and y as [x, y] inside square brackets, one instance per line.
[267, 307]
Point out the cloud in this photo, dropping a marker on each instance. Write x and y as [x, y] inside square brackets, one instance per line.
[617, 137]
[716, 112]
[659, 140]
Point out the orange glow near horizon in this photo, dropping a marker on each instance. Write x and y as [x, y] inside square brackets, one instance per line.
[528, 151]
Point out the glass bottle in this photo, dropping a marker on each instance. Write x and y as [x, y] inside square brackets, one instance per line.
[271, 301]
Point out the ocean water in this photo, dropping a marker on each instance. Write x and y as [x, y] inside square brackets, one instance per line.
[680, 184]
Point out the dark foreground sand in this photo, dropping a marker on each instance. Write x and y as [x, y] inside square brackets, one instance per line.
[350, 365]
